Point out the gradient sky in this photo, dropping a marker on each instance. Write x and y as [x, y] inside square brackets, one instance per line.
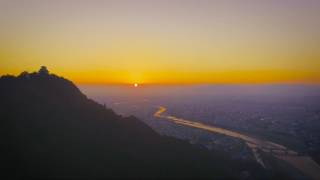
[164, 41]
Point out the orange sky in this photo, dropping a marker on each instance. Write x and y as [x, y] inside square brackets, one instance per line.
[163, 42]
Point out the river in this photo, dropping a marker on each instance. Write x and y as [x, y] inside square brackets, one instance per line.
[305, 164]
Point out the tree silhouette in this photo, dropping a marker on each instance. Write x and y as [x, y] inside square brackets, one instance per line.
[43, 71]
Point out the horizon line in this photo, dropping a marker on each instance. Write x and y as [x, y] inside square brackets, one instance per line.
[202, 84]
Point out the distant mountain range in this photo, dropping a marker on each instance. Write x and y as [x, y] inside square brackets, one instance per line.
[49, 129]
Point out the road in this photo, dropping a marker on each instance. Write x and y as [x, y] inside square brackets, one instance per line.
[305, 164]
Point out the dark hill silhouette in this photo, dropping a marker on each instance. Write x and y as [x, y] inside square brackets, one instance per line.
[49, 129]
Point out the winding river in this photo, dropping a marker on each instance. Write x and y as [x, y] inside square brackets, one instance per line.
[305, 164]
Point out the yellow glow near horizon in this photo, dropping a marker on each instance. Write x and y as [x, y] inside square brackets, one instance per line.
[168, 43]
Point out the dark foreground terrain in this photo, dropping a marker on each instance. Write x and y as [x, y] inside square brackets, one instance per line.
[49, 129]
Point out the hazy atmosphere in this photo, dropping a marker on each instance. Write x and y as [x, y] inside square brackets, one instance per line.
[163, 42]
[168, 89]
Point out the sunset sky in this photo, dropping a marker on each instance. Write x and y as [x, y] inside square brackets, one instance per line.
[164, 41]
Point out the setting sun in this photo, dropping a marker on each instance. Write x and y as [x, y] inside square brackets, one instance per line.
[220, 43]
[160, 89]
